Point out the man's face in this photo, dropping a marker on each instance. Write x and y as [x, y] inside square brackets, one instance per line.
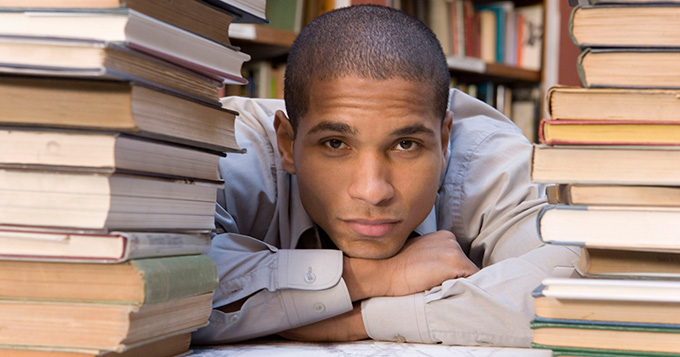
[368, 155]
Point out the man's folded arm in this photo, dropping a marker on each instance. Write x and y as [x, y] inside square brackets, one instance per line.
[277, 289]
[491, 307]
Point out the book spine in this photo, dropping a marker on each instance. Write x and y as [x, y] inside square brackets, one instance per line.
[571, 26]
[599, 352]
[580, 69]
[175, 277]
[541, 131]
[541, 216]
[147, 245]
[602, 325]
[549, 101]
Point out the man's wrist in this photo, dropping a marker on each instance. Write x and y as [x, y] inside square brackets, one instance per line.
[362, 277]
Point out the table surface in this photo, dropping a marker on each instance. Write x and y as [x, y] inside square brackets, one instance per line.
[357, 349]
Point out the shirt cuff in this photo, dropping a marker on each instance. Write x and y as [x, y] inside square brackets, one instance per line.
[309, 269]
[306, 307]
[311, 285]
[399, 319]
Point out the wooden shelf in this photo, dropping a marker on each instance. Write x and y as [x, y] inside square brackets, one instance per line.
[501, 71]
[475, 70]
[261, 42]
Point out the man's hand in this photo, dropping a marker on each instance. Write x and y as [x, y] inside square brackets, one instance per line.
[346, 327]
[423, 263]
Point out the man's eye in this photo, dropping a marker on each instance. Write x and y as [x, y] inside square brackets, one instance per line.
[406, 145]
[335, 144]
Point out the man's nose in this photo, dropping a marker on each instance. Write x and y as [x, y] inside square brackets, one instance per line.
[371, 180]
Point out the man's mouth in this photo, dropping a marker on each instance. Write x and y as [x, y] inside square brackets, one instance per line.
[372, 228]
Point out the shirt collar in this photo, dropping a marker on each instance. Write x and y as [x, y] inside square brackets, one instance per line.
[429, 225]
[300, 220]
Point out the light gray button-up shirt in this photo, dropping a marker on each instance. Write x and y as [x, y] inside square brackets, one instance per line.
[485, 198]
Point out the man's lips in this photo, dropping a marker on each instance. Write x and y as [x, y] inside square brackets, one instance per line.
[372, 228]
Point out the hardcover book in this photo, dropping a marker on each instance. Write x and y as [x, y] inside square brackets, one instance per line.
[629, 264]
[603, 310]
[530, 36]
[608, 337]
[194, 16]
[113, 327]
[619, 165]
[40, 244]
[630, 67]
[565, 295]
[564, 282]
[613, 227]
[625, 26]
[115, 106]
[103, 152]
[137, 282]
[618, 195]
[608, 132]
[52, 57]
[137, 31]
[107, 202]
[576, 103]
[173, 345]
[558, 351]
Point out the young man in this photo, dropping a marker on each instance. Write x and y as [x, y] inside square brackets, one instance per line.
[368, 208]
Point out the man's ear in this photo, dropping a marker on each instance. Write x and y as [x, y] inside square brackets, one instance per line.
[447, 123]
[285, 137]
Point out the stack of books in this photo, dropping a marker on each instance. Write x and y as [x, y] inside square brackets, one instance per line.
[613, 149]
[110, 136]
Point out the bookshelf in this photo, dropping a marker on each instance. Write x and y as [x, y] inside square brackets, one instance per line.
[485, 79]
[261, 42]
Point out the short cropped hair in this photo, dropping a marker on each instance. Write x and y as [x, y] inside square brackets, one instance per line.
[369, 41]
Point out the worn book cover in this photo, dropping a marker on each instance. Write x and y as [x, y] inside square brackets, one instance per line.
[129, 107]
[113, 327]
[615, 227]
[599, 164]
[105, 201]
[625, 25]
[630, 67]
[610, 337]
[625, 104]
[137, 31]
[608, 132]
[137, 282]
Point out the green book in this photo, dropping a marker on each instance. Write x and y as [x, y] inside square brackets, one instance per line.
[607, 336]
[590, 352]
[285, 14]
[137, 282]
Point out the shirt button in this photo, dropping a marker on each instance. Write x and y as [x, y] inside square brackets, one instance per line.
[310, 278]
[319, 307]
[233, 318]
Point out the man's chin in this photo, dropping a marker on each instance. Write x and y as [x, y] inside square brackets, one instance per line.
[369, 251]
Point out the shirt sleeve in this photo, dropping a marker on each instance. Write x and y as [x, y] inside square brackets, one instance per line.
[283, 288]
[488, 201]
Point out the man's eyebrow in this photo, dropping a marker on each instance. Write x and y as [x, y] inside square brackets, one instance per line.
[332, 126]
[413, 129]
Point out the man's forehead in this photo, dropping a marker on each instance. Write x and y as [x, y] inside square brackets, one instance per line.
[359, 93]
